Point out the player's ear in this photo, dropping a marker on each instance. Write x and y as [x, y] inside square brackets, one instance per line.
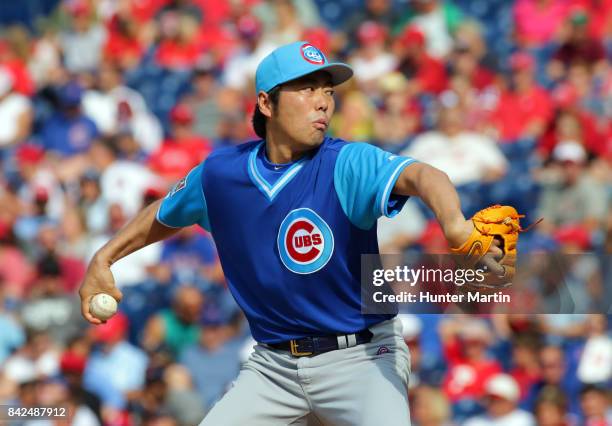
[264, 103]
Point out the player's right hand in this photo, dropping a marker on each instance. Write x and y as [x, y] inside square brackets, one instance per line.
[98, 279]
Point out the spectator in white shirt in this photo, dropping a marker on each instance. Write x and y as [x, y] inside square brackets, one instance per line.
[123, 184]
[82, 43]
[15, 111]
[240, 67]
[372, 61]
[432, 19]
[502, 396]
[465, 156]
[397, 233]
[115, 108]
[595, 365]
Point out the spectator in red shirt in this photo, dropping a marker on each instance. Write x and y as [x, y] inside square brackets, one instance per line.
[379, 11]
[424, 73]
[72, 364]
[524, 111]
[145, 11]
[51, 243]
[322, 38]
[525, 358]
[123, 46]
[539, 21]
[22, 82]
[183, 151]
[465, 350]
[600, 16]
[464, 63]
[469, 35]
[16, 272]
[578, 47]
[593, 91]
[184, 7]
[179, 47]
[572, 123]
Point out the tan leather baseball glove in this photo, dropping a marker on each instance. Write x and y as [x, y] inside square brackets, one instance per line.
[501, 223]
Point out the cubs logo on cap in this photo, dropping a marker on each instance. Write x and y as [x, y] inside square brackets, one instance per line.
[295, 60]
[305, 241]
[312, 54]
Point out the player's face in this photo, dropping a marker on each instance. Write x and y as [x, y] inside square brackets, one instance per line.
[305, 107]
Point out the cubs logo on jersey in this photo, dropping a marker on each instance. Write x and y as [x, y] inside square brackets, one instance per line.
[305, 241]
[312, 54]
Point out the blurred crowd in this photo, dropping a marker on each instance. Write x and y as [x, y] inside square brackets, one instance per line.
[104, 104]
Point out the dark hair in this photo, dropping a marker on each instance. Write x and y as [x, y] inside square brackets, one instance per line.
[110, 143]
[259, 120]
[529, 340]
[553, 395]
[49, 266]
[592, 388]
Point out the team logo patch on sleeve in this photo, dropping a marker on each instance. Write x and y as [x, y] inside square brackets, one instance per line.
[312, 54]
[305, 241]
[179, 185]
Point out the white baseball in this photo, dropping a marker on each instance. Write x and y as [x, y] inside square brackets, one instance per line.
[103, 306]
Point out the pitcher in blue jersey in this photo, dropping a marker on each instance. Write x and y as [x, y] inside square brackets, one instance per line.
[291, 214]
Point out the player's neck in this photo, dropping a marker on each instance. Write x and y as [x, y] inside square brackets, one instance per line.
[283, 153]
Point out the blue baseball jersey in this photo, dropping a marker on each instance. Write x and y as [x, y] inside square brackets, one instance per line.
[290, 237]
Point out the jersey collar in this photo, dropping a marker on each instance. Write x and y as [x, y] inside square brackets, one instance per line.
[271, 191]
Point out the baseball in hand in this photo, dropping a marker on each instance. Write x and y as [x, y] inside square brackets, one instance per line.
[103, 306]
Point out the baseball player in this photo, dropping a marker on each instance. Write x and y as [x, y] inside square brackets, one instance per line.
[291, 214]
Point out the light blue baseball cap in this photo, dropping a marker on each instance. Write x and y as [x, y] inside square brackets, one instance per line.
[295, 60]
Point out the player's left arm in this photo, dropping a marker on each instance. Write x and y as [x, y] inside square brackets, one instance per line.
[435, 188]
[371, 183]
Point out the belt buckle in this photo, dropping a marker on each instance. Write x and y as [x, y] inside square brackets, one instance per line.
[294, 349]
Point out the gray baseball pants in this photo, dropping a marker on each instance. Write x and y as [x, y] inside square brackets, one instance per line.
[363, 385]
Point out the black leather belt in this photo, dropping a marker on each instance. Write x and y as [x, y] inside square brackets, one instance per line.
[311, 346]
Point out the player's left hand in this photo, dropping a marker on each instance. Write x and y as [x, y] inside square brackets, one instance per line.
[494, 236]
[460, 232]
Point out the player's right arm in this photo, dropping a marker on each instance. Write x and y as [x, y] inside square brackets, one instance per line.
[183, 206]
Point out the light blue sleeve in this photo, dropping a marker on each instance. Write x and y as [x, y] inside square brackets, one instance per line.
[185, 204]
[364, 177]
